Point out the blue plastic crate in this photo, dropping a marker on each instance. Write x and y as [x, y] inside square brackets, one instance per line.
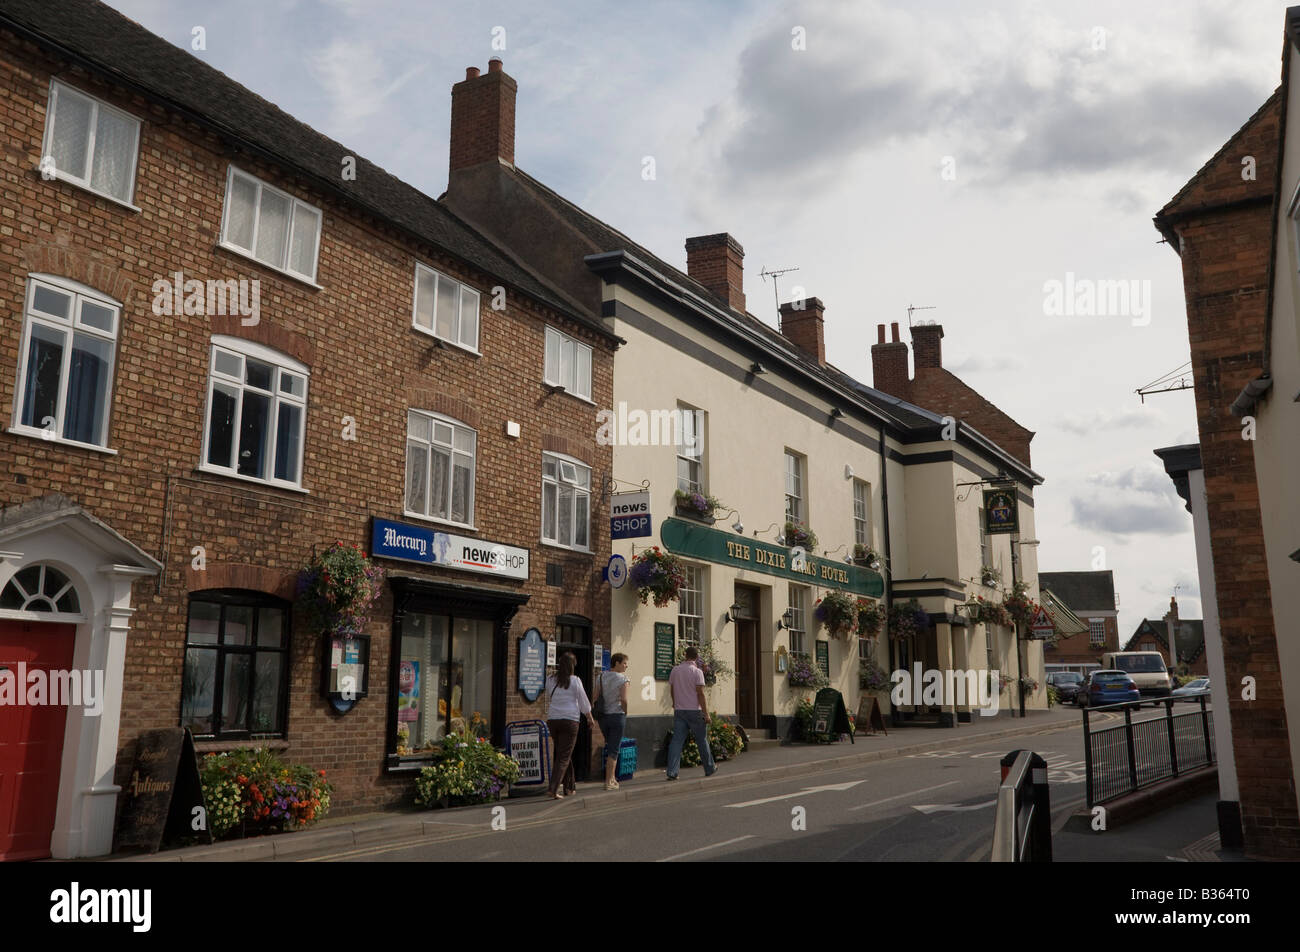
[626, 759]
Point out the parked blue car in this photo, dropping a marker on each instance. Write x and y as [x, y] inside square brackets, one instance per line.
[1109, 687]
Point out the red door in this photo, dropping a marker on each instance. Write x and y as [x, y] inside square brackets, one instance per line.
[31, 739]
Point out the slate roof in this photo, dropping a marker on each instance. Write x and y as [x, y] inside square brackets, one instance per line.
[1190, 634]
[1083, 592]
[108, 43]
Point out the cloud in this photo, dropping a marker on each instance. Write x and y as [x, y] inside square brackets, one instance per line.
[1129, 418]
[357, 79]
[1140, 499]
[980, 363]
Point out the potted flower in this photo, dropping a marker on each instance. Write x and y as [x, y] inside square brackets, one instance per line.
[989, 576]
[796, 533]
[337, 589]
[804, 672]
[657, 575]
[870, 617]
[865, 555]
[838, 613]
[695, 505]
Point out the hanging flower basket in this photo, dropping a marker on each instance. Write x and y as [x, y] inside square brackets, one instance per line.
[796, 533]
[697, 505]
[337, 589]
[804, 672]
[1019, 605]
[1028, 684]
[980, 609]
[907, 618]
[870, 618]
[872, 677]
[657, 575]
[838, 614]
[709, 662]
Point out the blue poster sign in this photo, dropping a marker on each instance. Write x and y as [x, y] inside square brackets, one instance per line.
[532, 664]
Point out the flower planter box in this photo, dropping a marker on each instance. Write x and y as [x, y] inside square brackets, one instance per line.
[690, 512]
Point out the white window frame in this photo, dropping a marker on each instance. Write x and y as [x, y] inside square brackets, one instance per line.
[861, 512]
[462, 291]
[69, 326]
[562, 461]
[555, 374]
[58, 88]
[282, 363]
[798, 597]
[794, 488]
[294, 204]
[691, 458]
[453, 452]
[693, 596]
[1095, 636]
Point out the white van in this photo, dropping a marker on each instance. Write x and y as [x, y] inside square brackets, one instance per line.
[1146, 668]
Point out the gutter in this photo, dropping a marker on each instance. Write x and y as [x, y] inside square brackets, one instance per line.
[1251, 394]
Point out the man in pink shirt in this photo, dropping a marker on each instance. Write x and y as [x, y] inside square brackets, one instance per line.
[690, 713]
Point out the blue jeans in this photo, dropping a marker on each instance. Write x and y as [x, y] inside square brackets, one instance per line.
[611, 725]
[692, 721]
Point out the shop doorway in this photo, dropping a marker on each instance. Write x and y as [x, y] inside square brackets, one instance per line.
[749, 694]
[31, 738]
[573, 633]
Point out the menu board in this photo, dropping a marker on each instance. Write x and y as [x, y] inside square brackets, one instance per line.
[665, 638]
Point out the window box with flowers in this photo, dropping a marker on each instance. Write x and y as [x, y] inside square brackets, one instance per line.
[796, 533]
[865, 555]
[657, 575]
[698, 506]
[805, 673]
[838, 614]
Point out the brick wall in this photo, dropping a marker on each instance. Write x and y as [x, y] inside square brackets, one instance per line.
[366, 362]
[1225, 226]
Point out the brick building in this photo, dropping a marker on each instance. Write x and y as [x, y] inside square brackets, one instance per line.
[171, 460]
[1233, 227]
[1091, 597]
[1152, 634]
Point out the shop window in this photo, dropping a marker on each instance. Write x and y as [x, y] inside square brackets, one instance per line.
[40, 588]
[566, 502]
[90, 144]
[444, 679]
[439, 468]
[445, 308]
[257, 405]
[65, 373]
[236, 680]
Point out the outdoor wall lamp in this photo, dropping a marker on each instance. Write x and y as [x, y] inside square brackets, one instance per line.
[847, 558]
[757, 532]
[737, 527]
[785, 620]
[732, 614]
[757, 368]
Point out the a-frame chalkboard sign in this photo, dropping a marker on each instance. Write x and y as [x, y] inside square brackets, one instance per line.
[829, 714]
[159, 798]
[869, 717]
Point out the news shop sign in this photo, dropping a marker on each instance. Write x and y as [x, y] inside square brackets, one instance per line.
[428, 546]
[629, 516]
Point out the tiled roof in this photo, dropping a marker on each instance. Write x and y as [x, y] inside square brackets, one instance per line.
[1081, 591]
[123, 51]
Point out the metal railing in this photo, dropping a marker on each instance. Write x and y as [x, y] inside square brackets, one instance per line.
[1125, 757]
[1022, 828]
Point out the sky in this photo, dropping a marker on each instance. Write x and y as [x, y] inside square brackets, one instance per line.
[975, 162]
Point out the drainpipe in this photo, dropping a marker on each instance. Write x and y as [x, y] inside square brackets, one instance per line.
[894, 714]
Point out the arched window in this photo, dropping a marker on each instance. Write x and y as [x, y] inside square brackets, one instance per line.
[40, 588]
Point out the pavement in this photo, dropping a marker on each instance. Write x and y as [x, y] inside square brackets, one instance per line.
[764, 763]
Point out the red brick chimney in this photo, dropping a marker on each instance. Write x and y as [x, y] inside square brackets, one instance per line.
[889, 364]
[804, 327]
[718, 263]
[927, 351]
[483, 118]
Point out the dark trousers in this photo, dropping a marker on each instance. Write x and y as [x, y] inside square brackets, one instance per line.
[564, 736]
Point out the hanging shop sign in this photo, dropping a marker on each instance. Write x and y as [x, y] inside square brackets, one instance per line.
[1001, 513]
[701, 542]
[665, 636]
[532, 665]
[399, 540]
[616, 571]
[629, 516]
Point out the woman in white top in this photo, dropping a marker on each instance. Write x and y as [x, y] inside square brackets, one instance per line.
[568, 702]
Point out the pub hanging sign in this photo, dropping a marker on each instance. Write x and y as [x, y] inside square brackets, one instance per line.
[1001, 513]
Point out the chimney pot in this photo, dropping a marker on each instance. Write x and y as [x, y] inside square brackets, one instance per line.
[894, 327]
[494, 64]
[471, 72]
[718, 263]
[880, 333]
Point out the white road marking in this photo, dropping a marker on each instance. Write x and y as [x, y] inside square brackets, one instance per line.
[804, 791]
[703, 849]
[910, 793]
[951, 807]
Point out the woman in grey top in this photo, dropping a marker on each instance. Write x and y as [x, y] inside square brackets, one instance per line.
[611, 705]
